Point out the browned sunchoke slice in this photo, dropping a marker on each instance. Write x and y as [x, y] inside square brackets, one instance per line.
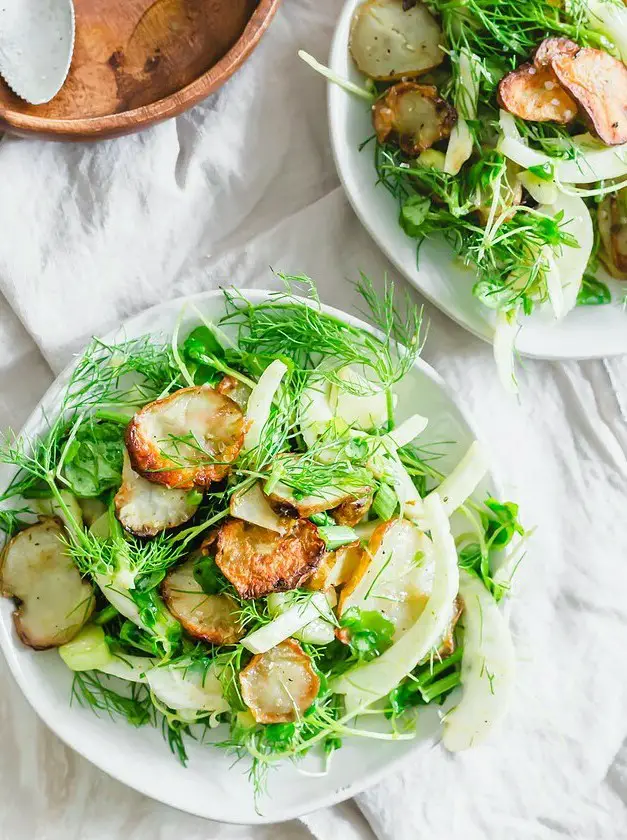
[550, 48]
[54, 601]
[258, 561]
[534, 94]
[186, 440]
[279, 685]
[388, 42]
[211, 618]
[413, 116]
[598, 82]
[337, 568]
[612, 221]
[145, 508]
[352, 511]
[285, 501]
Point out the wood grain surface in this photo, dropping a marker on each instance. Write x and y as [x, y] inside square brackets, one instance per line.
[140, 61]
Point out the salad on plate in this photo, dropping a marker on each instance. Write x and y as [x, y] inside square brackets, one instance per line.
[501, 126]
[230, 533]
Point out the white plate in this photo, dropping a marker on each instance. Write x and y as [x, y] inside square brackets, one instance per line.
[212, 786]
[586, 333]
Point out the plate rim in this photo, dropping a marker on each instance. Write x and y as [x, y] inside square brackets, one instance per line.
[334, 92]
[136, 119]
[106, 762]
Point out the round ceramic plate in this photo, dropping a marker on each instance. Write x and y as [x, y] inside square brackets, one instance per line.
[212, 785]
[586, 333]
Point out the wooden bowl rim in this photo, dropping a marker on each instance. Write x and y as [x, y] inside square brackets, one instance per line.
[176, 103]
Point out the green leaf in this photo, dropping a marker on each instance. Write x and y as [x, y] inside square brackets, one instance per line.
[322, 518]
[593, 292]
[201, 349]
[385, 502]
[279, 736]
[200, 344]
[133, 637]
[503, 524]
[336, 536]
[413, 214]
[94, 459]
[207, 574]
[544, 171]
[370, 632]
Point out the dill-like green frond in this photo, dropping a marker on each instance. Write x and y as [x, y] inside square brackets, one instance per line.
[306, 335]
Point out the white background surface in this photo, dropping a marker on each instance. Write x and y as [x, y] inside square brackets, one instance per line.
[92, 234]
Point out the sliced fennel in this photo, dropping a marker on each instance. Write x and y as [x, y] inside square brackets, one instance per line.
[460, 145]
[87, 651]
[117, 585]
[252, 506]
[260, 402]
[320, 631]
[408, 496]
[568, 265]
[505, 333]
[593, 163]
[314, 411]
[367, 683]
[553, 280]
[407, 431]
[544, 192]
[188, 689]
[488, 667]
[459, 485]
[355, 405]
[610, 19]
[288, 622]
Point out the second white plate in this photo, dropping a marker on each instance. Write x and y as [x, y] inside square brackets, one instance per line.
[586, 333]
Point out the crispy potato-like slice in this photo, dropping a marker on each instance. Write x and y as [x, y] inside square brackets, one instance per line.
[258, 561]
[211, 618]
[352, 511]
[145, 508]
[534, 94]
[279, 685]
[187, 439]
[54, 601]
[337, 568]
[286, 502]
[388, 42]
[612, 219]
[550, 48]
[236, 390]
[598, 82]
[413, 116]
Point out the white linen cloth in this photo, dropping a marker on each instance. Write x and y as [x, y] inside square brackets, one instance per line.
[90, 234]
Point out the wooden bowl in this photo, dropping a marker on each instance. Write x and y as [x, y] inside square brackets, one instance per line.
[137, 62]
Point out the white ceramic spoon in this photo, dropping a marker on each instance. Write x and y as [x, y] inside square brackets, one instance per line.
[36, 46]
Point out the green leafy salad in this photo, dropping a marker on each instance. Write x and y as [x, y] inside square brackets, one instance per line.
[501, 126]
[230, 530]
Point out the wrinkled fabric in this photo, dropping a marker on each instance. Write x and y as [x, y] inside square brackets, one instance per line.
[92, 234]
